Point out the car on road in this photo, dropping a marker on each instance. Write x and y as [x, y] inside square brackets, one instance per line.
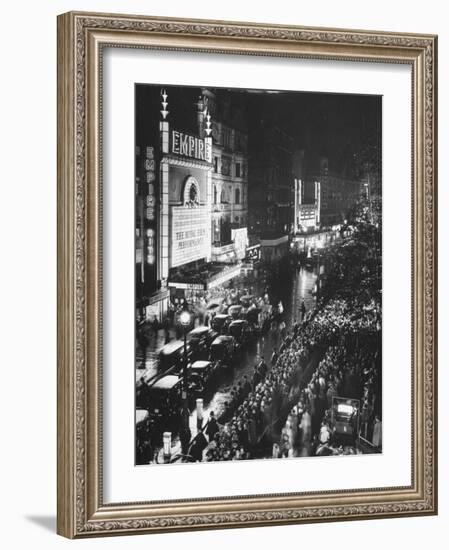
[253, 316]
[165, 397]
[242, 331]
[199, 340]
[235, 311]
[345, 420]
[171, 356]
[223, 351]
[221, 322]
[247, 300]
[200, 378]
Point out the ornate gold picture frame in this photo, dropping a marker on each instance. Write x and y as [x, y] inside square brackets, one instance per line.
[82, 38]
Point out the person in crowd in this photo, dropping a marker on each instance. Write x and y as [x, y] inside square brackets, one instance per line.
[197, 447]
[212, 427]
[303, 310]
[184, 436]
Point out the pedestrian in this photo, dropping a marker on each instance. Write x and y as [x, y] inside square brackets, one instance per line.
[197, 447]
[274, 357]
[252, 433]
[303, 311]
[212, 426]
[256, 377]
[155, 327]
[185, 436]
[167, 330]
[246, 385]
[377, 432]
[283, 329]
[263, 368]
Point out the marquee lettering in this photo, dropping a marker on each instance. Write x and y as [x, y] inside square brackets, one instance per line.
[190, 146]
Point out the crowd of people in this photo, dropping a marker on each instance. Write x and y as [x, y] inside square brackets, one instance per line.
[253, 418]
[285, 407]
[310, 428]
[296, 393]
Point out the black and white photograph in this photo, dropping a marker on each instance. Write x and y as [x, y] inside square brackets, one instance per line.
[258, 274]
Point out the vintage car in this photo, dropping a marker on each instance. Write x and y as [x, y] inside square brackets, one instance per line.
[253, 316]
[223, 350]
[171, 356]
[200, 378]
[199, 340]
[246, 300]
[242, 331]
[144, 433]
[235, 311]
[345, 420]
[165, 397]
[221, 322]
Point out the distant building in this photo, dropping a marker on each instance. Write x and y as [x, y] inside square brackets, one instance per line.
[270, 189]
[306, 215]
[229, 175]
[324, 198]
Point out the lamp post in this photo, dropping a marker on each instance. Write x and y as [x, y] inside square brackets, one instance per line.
[166, 437]
[185, 319]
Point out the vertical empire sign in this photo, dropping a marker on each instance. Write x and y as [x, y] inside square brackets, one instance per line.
[150, 212]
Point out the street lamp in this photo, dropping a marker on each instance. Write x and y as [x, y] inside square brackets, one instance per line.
[185, 320]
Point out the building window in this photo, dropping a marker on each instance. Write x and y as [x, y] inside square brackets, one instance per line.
[216, 165]
[237, 196]
[215, 194]
[237, 170]
[226, 166]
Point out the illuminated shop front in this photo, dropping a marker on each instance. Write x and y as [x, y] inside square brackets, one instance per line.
[174, 250]
[173, 205]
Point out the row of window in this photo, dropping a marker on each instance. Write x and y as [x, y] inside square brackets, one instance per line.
[224, 197]
[225, 167]
[229, 138]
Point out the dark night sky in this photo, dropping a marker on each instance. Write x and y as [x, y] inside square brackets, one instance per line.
[337, 126]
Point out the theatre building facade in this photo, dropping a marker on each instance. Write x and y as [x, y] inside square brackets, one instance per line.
[174, 164]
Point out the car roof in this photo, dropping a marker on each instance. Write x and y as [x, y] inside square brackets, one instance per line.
[166, 382]
[141, 415]
[199, 330]
[197, 365]
[222, 338]
[221, 315]
[171, 347]
[238, 322]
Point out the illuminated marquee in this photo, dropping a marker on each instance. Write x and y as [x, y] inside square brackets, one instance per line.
[189, 236]
[190, 146]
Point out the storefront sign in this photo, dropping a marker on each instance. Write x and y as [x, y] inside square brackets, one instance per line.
[190, 146]
[226, 275]
[253, 252]
[186, 286]
[240, 238]
[189, 234]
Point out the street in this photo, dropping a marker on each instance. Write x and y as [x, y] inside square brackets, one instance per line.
[299, 288]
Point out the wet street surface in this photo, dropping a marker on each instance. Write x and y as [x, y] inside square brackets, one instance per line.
[298, 287]
[302, 285]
